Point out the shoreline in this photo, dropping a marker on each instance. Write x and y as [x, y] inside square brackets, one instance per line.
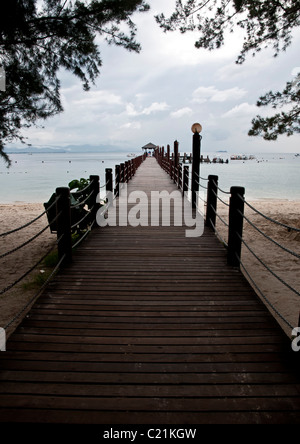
[286, 266]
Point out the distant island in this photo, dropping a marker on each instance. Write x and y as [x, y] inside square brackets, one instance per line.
[65, 149]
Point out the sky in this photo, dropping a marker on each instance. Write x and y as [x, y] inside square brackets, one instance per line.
[157, 95]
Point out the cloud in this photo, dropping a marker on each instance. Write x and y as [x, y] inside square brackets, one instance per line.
[212, 94]
[181, 112]
[131, 125]
[241, 110]
[96, 98]
[295, 71]
[153, 108]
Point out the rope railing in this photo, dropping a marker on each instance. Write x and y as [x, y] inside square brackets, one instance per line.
[219, 199]
[83, 190]
[288, 227]
[213, 225]
[263, 296]
[233, 201]
[36, 295]
[268, 268]
[24, 275]
[64, 219]
[257, 257]
[287, 250]
[83, 202]
[15, 230]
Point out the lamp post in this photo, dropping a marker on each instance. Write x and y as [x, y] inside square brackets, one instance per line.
[196, 129]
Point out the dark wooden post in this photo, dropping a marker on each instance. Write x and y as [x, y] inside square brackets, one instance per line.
[236, 220]
[196, 167]
[128, 171]
[64, 238]
[95, 204]
[122, 172]
[168, 152]
[117, 179]
[179, 184]
[211, 208]
[133, 167]
[176, 162]
[176, 146]
[109, 180]
[185, 179]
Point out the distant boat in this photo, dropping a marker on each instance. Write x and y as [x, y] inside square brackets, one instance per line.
[241, 157]
[131, 155]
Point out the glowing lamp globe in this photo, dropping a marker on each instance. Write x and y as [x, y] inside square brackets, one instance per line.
[196, 128]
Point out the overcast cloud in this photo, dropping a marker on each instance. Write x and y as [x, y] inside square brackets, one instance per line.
[156, 96]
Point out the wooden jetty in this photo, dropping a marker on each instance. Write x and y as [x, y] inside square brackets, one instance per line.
[147, 326]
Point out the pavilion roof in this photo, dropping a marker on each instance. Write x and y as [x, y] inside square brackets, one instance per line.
[149, 146]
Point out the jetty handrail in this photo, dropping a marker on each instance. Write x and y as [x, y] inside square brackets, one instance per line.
[15, 230]
[19, 279]
[290, 228]
[234, 226]
[36, 295]
[270, 239]
[62, 207]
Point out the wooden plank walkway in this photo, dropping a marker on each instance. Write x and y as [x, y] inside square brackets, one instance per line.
[147, 326]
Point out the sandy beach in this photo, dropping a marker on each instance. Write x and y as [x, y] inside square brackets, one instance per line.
[285, 265]
[16, 264]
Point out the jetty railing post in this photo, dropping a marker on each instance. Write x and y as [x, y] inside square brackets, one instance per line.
[176, 146]
[95, 201]
[109, 186]
[108, 180]
[175, 176]
[185, 186]
[117, 180]
[211, 208]
[128, 170]
[179, 184]
[236, 220]
[64, 236]
[131, 168]
[122, 173]
[195, 168]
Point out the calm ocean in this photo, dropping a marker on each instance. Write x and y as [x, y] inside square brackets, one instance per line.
[33, 178]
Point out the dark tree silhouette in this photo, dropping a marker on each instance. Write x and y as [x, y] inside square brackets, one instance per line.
[39, 38]
[265, 23]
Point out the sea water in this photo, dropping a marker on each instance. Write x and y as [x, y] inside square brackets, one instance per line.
[34, 177]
